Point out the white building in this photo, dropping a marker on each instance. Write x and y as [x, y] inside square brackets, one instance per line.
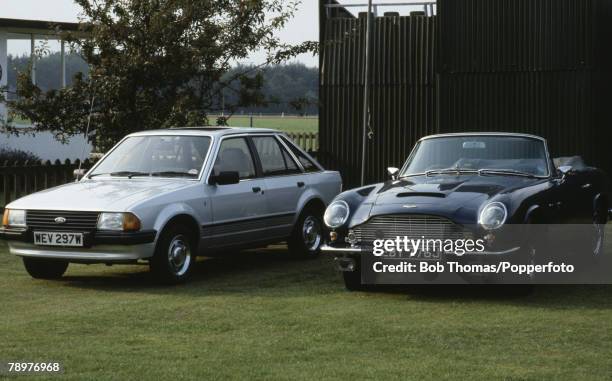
[43, 144]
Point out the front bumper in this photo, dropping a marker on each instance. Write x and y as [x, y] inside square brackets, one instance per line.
[342, 250]
[352, 250]
[105, 247]
[346, 257]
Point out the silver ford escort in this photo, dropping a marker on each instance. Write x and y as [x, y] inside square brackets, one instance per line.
[167, 196]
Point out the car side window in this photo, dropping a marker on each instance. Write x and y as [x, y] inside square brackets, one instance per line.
[274, 159]
[308, 165]
[235, 156]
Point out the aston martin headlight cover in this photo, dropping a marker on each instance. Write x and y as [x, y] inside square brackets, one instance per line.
[336, 214]
[493, 216]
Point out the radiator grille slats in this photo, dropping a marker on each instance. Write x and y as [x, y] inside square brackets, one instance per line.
[75, 221]
[410, 225]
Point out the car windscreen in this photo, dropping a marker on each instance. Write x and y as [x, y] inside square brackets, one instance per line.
[498, 153]
[162, 156]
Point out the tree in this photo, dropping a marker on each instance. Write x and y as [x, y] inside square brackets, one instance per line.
[300, 104]
[304, 83]
[13, 155]
[157, 64]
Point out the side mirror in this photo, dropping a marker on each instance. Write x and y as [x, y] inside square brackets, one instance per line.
[225, 178]
[78, 174]
[564, 170]
[392, 171]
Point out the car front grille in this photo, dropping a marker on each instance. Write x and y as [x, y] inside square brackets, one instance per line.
[74, 221]
[410, 225]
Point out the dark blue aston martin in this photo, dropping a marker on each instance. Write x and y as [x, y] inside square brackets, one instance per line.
[470, 184]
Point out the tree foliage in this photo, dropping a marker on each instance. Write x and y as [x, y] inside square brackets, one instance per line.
[158, 63]
[282, 86]
[12, 155]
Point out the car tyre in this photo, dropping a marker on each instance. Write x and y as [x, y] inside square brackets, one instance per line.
[598, 239]
[527, 256]
[307, 236]
[174, 255]
[45, 268]
[352, 280]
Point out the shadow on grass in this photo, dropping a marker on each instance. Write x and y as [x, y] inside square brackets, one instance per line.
[271, 272]
[253, 271]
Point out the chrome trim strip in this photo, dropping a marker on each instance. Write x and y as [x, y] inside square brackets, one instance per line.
[344, 250]
[359, 250]
[504, 252]
[513, 134]
[290, 152]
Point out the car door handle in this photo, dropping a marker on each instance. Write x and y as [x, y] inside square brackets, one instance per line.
[256, 189]
[300, 184]
[586, 186]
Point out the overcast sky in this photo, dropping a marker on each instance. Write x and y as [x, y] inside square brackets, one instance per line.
[303, 27]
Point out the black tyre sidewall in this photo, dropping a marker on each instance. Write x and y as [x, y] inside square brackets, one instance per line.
[352, 280]
[297, 248]
[40, 268]
[159, 262]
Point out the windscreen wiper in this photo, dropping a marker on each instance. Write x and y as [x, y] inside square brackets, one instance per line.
[173, 173]
[128, 174]
[509, 172]
[449, 171]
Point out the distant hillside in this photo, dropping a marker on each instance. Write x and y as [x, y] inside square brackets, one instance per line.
[48, 69]
[282, 84]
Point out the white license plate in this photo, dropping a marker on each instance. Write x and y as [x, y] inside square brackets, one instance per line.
[58, 239]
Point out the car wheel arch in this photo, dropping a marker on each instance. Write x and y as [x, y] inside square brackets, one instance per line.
[313, 202]
[533, 214]
[183, 220]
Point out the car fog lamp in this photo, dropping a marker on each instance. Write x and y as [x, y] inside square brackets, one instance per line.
[333, 236]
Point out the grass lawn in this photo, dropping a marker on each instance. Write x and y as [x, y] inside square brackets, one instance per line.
[259, 315]
[287, 124]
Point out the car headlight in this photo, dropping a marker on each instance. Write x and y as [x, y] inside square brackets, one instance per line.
[14, 218]
[493, 216]
[336, 214]
[118, 222]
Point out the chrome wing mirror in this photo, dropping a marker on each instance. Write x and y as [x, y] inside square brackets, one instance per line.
[564, 170]
[393, 172]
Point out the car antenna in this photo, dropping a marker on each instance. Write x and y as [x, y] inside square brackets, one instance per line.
[93, 99]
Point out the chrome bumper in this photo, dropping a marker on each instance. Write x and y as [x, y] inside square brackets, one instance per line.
[95, 254]
[358, 250]
[341, 250]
